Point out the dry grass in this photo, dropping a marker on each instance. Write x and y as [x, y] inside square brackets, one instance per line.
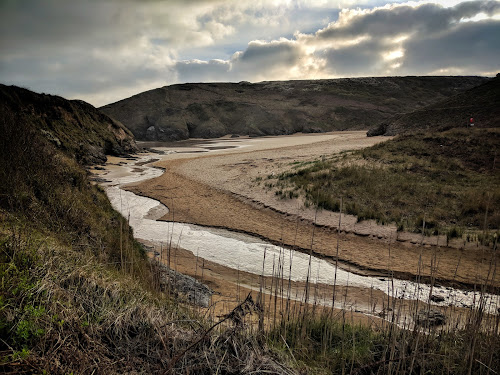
[448, 179]
[62, 311]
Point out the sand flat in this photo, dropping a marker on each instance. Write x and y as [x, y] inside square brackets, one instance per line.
[216, 190]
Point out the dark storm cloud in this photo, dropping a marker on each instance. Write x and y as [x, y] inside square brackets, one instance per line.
[202, 71]
[474, 45]
[259, 57]
[383, 22]
[260, 60]
[405, 39]
[350, 61]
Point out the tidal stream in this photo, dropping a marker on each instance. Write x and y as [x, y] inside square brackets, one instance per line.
[246, 253]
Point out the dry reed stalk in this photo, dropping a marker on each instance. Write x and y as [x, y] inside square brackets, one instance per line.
[261, 296]
[337, 255]
[306, 297]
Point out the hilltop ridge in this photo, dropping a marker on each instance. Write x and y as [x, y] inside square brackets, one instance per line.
[74, 126]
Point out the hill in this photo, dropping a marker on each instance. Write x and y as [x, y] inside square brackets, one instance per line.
[207, 110]
[78, 294]
[74, 126]
[481, 102]
[61, 241]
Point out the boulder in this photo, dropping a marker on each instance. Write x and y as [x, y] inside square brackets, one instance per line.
[430, 317]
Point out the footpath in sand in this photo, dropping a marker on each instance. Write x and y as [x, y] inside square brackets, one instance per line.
[220, 190]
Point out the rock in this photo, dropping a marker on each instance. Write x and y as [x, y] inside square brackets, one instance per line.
[430, 317]
[99, 180]
[195, 292]
[435, 298]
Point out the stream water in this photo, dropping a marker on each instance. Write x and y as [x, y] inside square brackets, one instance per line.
[246, 253]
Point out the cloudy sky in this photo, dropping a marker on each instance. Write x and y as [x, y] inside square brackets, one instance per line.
[102, 51]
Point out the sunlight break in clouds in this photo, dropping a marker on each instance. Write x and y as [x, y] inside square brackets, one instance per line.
[105, 51]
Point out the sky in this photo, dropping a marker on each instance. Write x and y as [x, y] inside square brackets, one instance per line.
[102, 51]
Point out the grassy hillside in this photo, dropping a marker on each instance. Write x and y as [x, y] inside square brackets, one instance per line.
[450, 178]
[481, 103]
[57, 232]
[73, 126]
[77, 293]
[272, 108]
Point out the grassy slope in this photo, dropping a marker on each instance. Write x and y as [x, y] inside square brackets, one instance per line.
[75, 127]
[77, 294]
[451, 178]
[481, 102]
[272, 108]
[56, 227]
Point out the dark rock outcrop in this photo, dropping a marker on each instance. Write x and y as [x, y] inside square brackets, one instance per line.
[274, 108]
[430, 317]
[191, 289]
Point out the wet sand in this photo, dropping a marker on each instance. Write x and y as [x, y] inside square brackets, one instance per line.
[367, 306]
[219, 191]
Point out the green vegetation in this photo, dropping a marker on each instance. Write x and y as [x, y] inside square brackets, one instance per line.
[449, 179]
[77, 292]
[62, 249]
[324, 343]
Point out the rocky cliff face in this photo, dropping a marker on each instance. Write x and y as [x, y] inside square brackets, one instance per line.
[73, 126]
[272, 108]
[481, 102]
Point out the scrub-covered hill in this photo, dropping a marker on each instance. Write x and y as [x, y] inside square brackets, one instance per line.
[78, 296]
[77, 293]
[208, 110]
[73, 126]
[482, 103]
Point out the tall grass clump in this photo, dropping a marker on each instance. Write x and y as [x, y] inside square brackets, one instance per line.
[45, 187]
[451, 177]
[316, 338]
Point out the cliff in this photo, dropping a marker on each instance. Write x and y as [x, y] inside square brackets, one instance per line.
[73, 126]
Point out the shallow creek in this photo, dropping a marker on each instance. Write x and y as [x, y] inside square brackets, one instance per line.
[246, 253]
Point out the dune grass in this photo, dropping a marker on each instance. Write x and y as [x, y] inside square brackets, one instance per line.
[450, 179]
